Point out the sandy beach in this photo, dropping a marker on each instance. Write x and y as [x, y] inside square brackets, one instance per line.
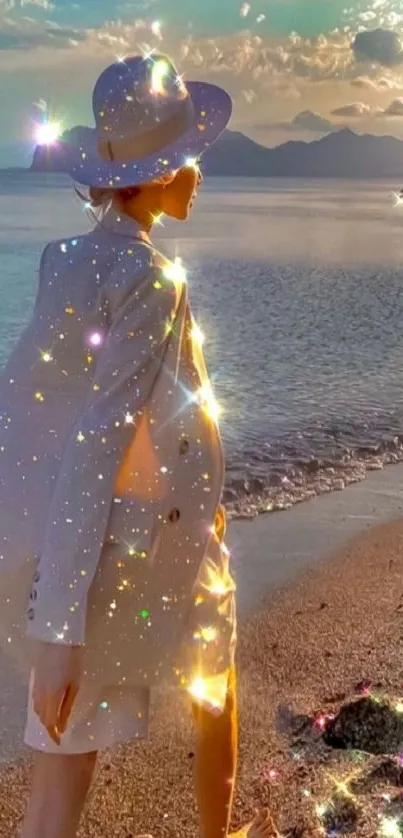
[328, 631]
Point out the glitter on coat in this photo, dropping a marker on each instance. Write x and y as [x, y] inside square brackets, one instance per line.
[112, 472]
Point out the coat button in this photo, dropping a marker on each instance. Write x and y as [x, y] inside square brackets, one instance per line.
[37, 576]
[174, 516]
[33, 595]
[31, 614]
[184, 446]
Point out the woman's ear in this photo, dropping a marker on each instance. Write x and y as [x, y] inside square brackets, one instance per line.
[167, 179]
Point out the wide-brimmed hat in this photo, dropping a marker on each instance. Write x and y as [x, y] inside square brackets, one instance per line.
[148, 122]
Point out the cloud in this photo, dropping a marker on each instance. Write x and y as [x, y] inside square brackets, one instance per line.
[265, 75]
[9, 5]
[380, 45]
[30, 34]
[355, 109]
[309, 121]
[261, 57]
[367, 17]
[395, 108]
[382, 83]
[305, 121]
[247, 60]
[314, 123]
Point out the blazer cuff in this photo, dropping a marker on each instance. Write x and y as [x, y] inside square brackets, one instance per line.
[53, 623]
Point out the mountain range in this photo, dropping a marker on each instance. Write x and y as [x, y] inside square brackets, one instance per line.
[341, 154]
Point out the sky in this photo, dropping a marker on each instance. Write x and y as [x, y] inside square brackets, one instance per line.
[297, 69]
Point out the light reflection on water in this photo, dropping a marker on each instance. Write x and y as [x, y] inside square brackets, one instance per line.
[298, 287]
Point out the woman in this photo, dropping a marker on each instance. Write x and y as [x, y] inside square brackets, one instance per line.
[113, 467]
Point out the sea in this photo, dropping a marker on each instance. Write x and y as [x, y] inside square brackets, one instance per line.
[298, 288]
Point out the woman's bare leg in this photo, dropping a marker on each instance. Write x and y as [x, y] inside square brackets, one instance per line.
[216, 763]
[60, 785]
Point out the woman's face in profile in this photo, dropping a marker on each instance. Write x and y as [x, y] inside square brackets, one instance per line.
[179, 195]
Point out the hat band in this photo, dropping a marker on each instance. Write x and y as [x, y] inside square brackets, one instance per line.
[137, 146]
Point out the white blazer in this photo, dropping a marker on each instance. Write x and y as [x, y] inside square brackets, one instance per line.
[112, 469]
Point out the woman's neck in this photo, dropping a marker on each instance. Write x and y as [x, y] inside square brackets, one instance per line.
[144, 216]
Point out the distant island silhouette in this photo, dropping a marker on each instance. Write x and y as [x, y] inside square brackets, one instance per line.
[340, 154]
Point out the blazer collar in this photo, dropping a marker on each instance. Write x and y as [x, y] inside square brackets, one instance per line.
[121, 224]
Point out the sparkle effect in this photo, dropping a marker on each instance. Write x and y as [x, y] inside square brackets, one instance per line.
[197, 334]
[175, 271]
[344, 796]
[158, 74]
[390, 828]
[192, 162]
[139, 95]
[47, 133]
[95, 338]
[122, 419]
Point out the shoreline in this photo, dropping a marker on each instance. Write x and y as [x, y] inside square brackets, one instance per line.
[248, 505]
[302, 655]
[269, 555]
[272, 550]
[321, 593]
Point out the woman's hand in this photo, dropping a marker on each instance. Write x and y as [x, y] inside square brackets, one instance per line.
[57, 672]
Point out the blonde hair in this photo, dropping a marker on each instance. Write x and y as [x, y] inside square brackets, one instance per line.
[99, 199]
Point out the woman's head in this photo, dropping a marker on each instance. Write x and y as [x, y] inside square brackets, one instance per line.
[148, 121]
[171, 195]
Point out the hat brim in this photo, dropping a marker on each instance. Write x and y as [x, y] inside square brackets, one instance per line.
[213, 109]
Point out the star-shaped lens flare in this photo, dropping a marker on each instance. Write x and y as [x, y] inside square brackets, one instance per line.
[47, 133]
[159, 72]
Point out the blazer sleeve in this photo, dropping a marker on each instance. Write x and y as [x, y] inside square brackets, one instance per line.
[125, 374]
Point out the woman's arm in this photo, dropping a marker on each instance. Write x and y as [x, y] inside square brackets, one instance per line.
[126, 371]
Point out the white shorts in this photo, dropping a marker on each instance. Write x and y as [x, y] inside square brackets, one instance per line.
[101, 717]
[106, 716]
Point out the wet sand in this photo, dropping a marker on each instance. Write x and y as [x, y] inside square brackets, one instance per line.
[328, 631]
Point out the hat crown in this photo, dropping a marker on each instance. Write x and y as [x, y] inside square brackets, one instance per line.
[136, 95]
